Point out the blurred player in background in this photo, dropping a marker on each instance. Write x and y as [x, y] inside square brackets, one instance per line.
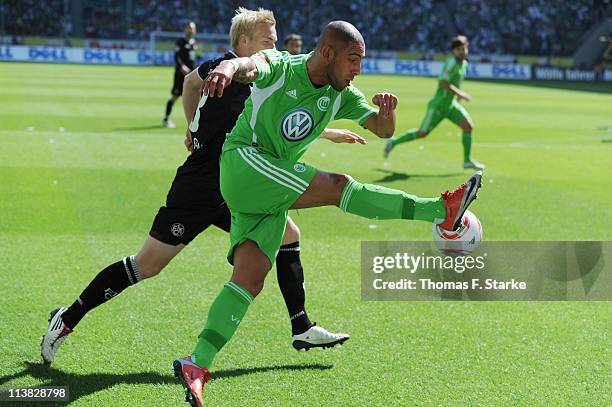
[293, 44]
[445, 104]
[184, 62]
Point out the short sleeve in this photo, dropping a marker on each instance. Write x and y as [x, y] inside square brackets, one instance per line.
[354, 106]
[446, 72]
[270, 65]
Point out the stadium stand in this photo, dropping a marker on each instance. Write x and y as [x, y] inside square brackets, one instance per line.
[539, 27]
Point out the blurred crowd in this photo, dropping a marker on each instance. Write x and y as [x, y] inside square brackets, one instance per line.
[538, 27]
[543, 27]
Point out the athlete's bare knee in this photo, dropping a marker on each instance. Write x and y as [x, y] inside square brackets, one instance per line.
[148, 266]
[422, 133]
[256, 287]
[292, 232]
[251, 279]
[251, 266]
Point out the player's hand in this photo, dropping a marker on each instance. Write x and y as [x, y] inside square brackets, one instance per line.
[344, 136]
[219, 78]
[185, 70]
[387, 102]
[188, 141]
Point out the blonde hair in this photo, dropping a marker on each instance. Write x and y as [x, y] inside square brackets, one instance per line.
[245, 21]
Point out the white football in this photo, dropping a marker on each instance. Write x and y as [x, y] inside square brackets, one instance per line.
[461, 241]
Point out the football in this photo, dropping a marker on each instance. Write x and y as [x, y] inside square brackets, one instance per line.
[461, 241]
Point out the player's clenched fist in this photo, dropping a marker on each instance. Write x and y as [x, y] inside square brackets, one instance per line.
[387, 102]
[219, 78]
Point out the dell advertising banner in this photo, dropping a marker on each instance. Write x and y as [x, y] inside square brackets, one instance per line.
[100, 56]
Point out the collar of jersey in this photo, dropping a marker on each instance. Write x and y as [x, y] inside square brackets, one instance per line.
[303, 71]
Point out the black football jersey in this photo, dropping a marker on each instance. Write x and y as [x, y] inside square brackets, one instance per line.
[215, 117]
[184, 53]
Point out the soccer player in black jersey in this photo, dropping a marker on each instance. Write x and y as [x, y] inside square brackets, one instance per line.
[184, 62]
[194, 202]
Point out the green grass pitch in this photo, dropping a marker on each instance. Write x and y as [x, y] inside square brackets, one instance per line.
[84, 166]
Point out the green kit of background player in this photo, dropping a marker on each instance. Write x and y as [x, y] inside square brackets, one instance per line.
[445, 104]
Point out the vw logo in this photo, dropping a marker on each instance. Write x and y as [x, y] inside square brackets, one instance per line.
[297, 125]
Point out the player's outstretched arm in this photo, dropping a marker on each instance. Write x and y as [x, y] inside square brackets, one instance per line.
[342, 136]
[453, 89]
[383, 123]
[242, 70]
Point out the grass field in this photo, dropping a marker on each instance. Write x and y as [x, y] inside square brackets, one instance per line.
[84, 166]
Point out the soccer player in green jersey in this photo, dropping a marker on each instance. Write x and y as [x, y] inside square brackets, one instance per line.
[292, 100]
[445, 104]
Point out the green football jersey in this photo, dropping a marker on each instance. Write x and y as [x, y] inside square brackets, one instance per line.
[453, 73]
[286, 113]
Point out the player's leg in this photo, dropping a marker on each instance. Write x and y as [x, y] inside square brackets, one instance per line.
[172, 229]
[289, 272]
[290, 276]
[224, 316]
[176, 92]
[167, 121]
[258, 190]
[107, 284]
[432, 118]
[459, 115]
[112, 280]
[255, 240]
[376, 202]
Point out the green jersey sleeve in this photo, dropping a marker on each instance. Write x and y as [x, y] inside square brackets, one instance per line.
[447, 70]
[270, 65]
[354, 106]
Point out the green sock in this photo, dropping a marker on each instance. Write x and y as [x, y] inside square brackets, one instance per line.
[408, 135]
[376, 202]
[466, 139]
[224, 316]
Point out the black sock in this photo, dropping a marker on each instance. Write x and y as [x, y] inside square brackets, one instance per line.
[169, 108]
[107, 284]
[291, 281]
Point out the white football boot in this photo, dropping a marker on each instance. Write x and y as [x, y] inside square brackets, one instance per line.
[168, 123]
[317, 337]
[55, 335]
[473, 164]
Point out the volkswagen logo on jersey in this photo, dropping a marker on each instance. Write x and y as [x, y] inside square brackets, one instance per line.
[297, 125]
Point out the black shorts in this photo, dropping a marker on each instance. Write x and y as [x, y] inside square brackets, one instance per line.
[179, 78]
[193, 203]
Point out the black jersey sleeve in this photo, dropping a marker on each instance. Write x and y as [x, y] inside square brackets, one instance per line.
[205, 68]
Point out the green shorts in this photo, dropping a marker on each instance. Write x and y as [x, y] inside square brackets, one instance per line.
[435, 114]
[259, 190]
